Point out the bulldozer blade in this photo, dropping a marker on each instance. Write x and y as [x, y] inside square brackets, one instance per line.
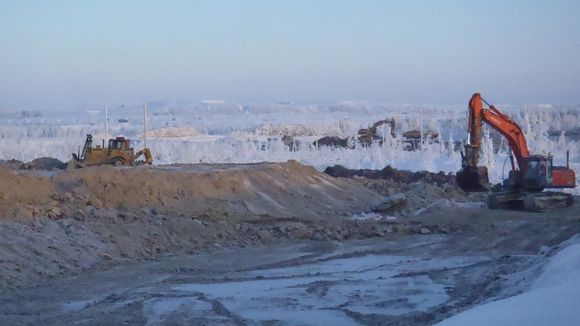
[473, 179]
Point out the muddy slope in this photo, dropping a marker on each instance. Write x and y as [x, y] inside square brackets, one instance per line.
[408, 193]
[55, 224]
[236, 191]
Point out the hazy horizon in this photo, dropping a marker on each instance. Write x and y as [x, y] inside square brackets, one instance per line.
[67, 55]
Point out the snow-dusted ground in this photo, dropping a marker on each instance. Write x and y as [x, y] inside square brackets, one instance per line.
[318, 283]
[313, 283]
[185, 133]
[553, 299]
[315, 294]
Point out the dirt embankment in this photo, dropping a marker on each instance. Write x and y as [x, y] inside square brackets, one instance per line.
[392, 174]
[408, 193]
[43, 163]
[40, 248]
[55, 223]
[232, 191]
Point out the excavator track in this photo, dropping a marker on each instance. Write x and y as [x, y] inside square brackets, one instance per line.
[504, 199]
[529, 201]
[547, 201]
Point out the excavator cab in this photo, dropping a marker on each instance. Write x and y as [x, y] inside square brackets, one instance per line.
[538, 174]
[541, 173]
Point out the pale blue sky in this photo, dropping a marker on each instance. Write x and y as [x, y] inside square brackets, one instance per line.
[77, 54]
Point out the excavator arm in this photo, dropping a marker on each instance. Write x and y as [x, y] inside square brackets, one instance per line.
[471, 177]
[498, 121]
[391, 122]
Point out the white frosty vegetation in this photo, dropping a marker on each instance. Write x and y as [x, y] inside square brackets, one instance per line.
[246, 134]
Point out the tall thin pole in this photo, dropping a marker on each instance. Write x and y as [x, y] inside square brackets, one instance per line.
[145, 124]
[421, 131]
[106, 120]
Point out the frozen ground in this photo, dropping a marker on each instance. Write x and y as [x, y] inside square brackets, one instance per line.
[503, 264]
[294, 284]
[233, 133]
[553, 298]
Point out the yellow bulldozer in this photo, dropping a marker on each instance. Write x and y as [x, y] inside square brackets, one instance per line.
[118, 153]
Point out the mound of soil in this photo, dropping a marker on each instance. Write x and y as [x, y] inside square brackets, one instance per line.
[285, 190]
[11, 164]
[390, 173]
[17, 191]
[408, 193]
[44, 163]
[73, 220]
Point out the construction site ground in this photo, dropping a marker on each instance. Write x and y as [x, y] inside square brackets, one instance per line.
[257, 244]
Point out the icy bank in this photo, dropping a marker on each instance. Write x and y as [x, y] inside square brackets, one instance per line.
[553, 299]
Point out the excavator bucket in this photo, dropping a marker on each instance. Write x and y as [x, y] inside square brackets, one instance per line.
[473, 179]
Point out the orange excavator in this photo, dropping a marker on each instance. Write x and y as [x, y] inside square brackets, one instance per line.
[524, 187]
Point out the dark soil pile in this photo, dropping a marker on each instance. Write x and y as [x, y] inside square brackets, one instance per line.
[413, 192]
[390, 173]
[11, 164]
[44, 163]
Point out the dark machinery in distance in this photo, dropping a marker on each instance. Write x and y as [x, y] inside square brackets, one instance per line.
[367, 136]
[526, 183]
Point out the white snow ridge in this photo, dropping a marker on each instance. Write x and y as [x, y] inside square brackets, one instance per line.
[553, 299]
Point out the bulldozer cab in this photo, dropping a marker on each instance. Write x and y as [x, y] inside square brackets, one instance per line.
[119, 144]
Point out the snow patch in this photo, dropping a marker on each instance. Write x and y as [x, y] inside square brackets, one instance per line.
[372, 216]
[553, 299]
